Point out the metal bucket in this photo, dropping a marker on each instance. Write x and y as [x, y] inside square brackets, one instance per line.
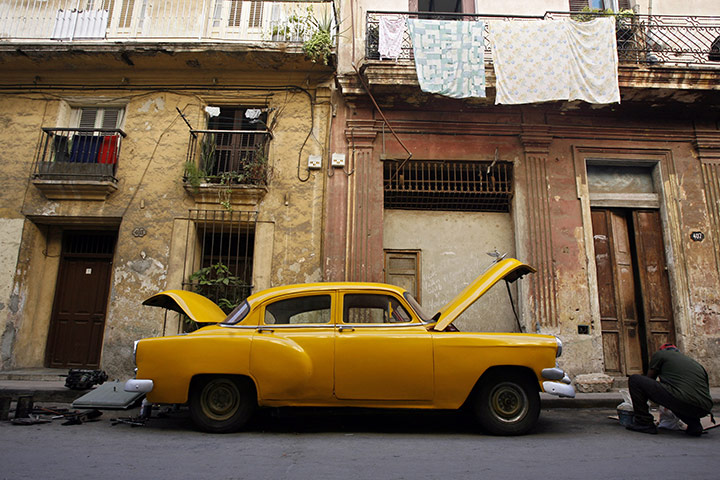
[626, 417]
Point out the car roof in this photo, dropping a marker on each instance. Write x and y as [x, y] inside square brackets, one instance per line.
[321, 287]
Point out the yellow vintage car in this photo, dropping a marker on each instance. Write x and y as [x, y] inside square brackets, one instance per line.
[347, 345]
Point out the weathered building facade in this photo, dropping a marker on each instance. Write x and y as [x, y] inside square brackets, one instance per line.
[616, 205]
[149, 147]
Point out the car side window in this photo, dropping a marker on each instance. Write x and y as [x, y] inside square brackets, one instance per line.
[299, 310]
[373, 308]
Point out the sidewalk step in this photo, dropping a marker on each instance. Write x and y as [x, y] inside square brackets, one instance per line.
[34, 375]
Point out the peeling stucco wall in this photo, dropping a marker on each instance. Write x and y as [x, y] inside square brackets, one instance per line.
[149, 211]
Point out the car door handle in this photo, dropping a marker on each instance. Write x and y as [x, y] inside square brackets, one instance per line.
[345, 328]
[265, 330]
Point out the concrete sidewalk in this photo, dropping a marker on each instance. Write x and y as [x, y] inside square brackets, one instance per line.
[55, 391]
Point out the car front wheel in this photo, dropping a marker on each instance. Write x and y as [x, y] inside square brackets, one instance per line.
[507, 405]
[221, 404]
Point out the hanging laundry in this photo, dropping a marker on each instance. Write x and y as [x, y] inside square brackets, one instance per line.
[449, 56]
[594, 65]
[391, 32]
[539, 61]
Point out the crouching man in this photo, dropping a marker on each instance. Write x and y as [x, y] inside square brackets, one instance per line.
[683, 388]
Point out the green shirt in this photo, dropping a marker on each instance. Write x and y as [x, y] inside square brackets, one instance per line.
[685, 378]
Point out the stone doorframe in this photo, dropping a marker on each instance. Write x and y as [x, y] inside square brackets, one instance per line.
[663, 164]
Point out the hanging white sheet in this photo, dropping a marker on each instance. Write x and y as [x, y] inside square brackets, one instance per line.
[538, 61]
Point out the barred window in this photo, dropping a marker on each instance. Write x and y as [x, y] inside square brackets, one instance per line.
[448, 185]
[219, 255]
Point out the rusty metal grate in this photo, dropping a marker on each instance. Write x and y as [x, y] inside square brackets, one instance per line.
[219, 255]
[457, 186]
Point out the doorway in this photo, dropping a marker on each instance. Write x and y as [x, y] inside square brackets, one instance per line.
[633, 287]
[77, 323]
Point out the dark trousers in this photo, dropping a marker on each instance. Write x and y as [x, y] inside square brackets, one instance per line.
[644, 388]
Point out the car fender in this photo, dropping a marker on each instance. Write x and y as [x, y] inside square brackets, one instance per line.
[280, 366]
[172, 362]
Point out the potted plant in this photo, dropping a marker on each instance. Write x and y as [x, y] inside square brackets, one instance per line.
[280, 33]
[318, 48]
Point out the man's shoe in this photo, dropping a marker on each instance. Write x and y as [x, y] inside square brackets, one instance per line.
[636, 427]
[694, 429]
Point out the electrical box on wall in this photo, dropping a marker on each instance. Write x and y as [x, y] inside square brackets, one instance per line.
[314, 161]
[338, 159]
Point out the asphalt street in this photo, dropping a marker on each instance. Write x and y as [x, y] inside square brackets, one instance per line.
[566, 443]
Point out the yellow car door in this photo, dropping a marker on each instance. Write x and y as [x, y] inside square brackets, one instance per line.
[381, 352]
[292, 350]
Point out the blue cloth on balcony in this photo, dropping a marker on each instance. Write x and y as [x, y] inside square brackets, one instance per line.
[449, 56]
[85, 148]
[561, 59]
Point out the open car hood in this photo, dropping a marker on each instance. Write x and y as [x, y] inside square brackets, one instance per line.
[200, 309]
[509, 269]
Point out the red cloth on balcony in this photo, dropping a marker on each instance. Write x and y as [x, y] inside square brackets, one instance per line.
[108, 150]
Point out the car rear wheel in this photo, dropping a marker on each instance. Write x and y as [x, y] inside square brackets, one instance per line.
[221, 404]
[507, 405]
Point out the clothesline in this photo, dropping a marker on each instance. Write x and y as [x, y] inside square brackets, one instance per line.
[534, 61]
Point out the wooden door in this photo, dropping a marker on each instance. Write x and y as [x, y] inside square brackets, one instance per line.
[78, 319]
[621, 337]
[633, 287]
[654, 280]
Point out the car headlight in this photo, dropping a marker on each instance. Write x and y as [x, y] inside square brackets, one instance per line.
[135, 345]
[559, 347]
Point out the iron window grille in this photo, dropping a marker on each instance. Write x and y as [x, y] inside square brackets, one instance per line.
[219, 255]
[453, 186]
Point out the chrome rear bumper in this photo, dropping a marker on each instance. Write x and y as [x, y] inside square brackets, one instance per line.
[139, 385]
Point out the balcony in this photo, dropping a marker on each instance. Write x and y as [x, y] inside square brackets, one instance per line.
[161, 20]
[662, 40]
[77, 163]
[229, 167]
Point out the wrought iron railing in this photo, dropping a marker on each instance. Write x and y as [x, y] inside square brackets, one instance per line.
[186, 20]
[237, 157]
[645, 39]
[78, 154]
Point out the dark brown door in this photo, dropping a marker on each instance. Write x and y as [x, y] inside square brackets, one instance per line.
[633, 287]
[78, 318]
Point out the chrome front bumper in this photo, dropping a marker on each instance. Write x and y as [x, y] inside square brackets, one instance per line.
[138, 385]
[563, 388]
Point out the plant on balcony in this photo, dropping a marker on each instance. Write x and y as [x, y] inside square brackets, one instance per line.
[280, 33]
[318, 48]
[196, 174]
[254, 170]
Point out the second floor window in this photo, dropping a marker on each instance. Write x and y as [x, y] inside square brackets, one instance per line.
[97, 117]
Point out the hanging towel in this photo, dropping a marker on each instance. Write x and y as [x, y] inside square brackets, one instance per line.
[539, 61]
[391, 32]
[449, 56]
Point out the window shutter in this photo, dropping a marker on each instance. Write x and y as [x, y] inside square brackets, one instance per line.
[126, 13]
[111, 118]
[578, 5]
[88, 117]
[235, 11]
[256, 11]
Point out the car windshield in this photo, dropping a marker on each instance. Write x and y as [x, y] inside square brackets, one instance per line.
[237, 315]
[417, 307]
